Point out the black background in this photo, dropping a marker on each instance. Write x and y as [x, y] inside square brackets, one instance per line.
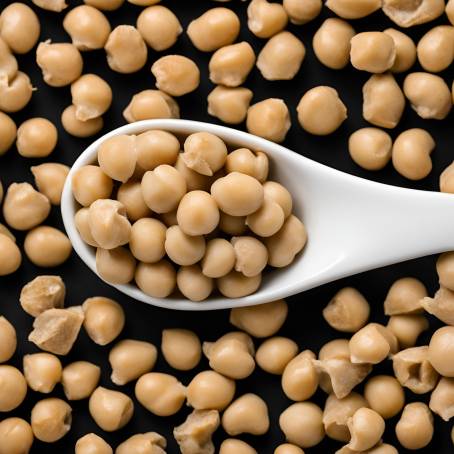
[305, 323]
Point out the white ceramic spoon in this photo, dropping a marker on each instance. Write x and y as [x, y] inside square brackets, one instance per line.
[353, 224]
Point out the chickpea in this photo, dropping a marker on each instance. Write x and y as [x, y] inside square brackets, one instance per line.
[231, 355]
[176, 75]
[280, 195]
[83, 228]
[111, 410]
[229, 104]
[385, 395]
[77, 128]
[142, 442]
[348, 311]
[266, 19]
[51, 419]
[183, 249]
[428, 94]
[246, 414]
[337, 413]
[36, 138]
[445, 270]
[237, 285]
[449, 10]
[407, 14]
[446, 180]
[79, 379]
[150, 104]
[5, 231]
[126, 50]
[407, 328]
[281, 57]
[232, 225]
[331, 43]
[50, 179]
[13, 389]
[302, 12]
[92, 444]
[8, 131]
[106, 5]
[440, 348]
[8, 340]
[181, 348]
[215, 28]
[436, 48]
[88, 27]
[130, 195]
[8, 62]
[20, 27]
[405, 50]
[156, 279]
[269, 119]
[299, 377]
[209, 390]
[372, 51]
[117, 157]
[116, 266]
[415, 427]
[155, 148]
[163, 188]
[366, 427]
[302, 424]
[251, 255]
[16, 436]
[372, 344]
[131, 359]
[90, 183]
[219, 258]
[230, 65]
[370, 148]
[10, 256]
[440, 306]
[274, 354]
[288, 448]
[143, 2]
[243, 160]
[404, 297]
[14, 96]
[42, 371]
[56, 6]
[356, 9]
[321, 111]
[235, 446]
[193, 284]
[147, 240]
[442, 397]
[383, 101]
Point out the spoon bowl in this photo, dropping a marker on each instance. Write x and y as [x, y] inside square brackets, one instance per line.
[353, 224]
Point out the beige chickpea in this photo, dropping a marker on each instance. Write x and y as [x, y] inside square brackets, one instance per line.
[219, 258]
[143, 2]
[235, 446]
[436, 48]
[8, 340]
[321, 111]
[13, 389]
[159, 27]
[265, 19]
[36, 138]
[445, 270]
[193, 284]
[237, 285]
[47, 246]
[79, 379]
[105, 5]
[300, 378]
[60, 63]
[336, 348]
[440, 305]
[348, 311]
[50, 179]
[243, 160]
[42, 371]
[82, 226]
[442, 397]
[8, 131]
[155, 148]
[440, 348]
[275, 191]
[181, 348]
[57, 6]
[407, 328]
[353, 9]
[288, 448]
[251, 256]
[117, 157]
[407, 14]
[163, 188]
[7, 232]
[385, 395]
[446, 181]
[209, 390]
[281, 57]
[269, 119]
[370, 148]
[204, 152]
[176, 75]
[161, 394]
[8, 62]
[302, 12]
[232, 225]
[302, 424]
[231, 355]
[20, 27]
[229, 104]
[372, 51]
[104, 319]
[126, 50]
[337, 412]
[449, 10]
[405, 50]
[428, 94]
[131, 359]
[246, 414]
[142, 442]
[88, 27]
[92, 444]
[77, 128]
[16, 436]
[275, 354]
[215, 28]
[10, 255]
[51, 419]
[156, 279]
[90, 183]
[14, 96]
[116, 266]
[147, 240]
[150, 104]
[366, 428]
[230, 65]
[111, 410]
[415, 427]
[383, 101]
[183, 249]
[331, 43]
[130, 195]
[404, 297]
[372, 344]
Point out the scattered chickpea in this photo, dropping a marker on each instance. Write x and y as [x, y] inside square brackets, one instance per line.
[405, 50]
[77, 128]
[16, 436]
[13, 389]
[56, 6]
[181, 348]
[299, 378]
[79, 379]
[8, 340]
[106, 5]
[251, 255]
[302, 12]
[385, 395]
[445, 270]
[407, 328]
[409, 14]
[36, 138]
[372, 51]
[265, 19]
[8, 131]
[50, 178]
[355, 9]
[229, 104]
[235, 446]
[441, 346]
[51, 419]
[441, 398]
[415, 429]
[92, 444]
[366, 427]
[436, 48]
[42, 371]
[404, 297]
[440, 305]
[142, 442]
[10, 256]
[370, 148]
[288, 448]
[17, 94]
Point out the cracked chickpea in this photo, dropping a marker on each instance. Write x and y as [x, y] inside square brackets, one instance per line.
[51, 419]
[79, 379]
[219, 258]
[405, 50]
[16, 436]
[265, 19]
[229, 104]
[14, 96]
[116, 266]
[415, 427]
[42, 371]
[404, 297]
[243, 160]
[156, 279]
[77, 128]
[442, 398]
[407, 14]
[13, 389]
[366, 427]
[181, 348]
[275, 354]
[302, 12]
[8, 132]
[50, 179]
[372, 51]
[370, 148]
[92, 444]
[251, 255]
[36, 138]
[193, 284]
[150, 104]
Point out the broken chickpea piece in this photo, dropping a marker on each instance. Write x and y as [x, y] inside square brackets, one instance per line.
[41, 294]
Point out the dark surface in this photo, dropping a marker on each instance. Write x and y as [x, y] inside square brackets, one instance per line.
[305, 323]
